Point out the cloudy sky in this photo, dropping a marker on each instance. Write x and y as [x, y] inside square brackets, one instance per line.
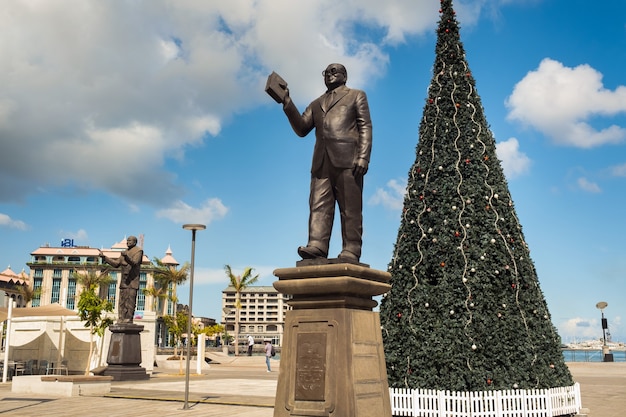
[134, 117]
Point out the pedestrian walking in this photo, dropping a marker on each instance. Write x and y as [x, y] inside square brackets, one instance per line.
[268, 353]
[250, 345]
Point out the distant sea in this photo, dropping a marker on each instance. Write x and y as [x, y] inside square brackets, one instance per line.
[591, 355]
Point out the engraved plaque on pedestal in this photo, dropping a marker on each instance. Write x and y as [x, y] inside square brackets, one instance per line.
[310, 367]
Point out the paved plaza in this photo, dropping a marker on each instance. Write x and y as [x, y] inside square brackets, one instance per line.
[242, 387]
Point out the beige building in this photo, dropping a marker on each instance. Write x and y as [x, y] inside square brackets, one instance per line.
[262, 313]
[56, 339]
[52, 268]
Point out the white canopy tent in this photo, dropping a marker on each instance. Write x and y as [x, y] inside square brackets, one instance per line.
[8, 313]
[49, 310]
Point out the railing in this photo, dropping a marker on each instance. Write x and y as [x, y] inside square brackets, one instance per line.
[510, 403]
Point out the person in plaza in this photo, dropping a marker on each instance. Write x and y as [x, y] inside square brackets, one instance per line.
[343, 143]
[129, 262]
[250, 345]
[268, 354]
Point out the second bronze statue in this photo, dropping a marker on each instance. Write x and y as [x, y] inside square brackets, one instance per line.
[129, 262]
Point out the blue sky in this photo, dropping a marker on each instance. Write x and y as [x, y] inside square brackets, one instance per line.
[134, 117]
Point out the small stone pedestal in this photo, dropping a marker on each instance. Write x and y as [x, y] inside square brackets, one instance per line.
[332, 359]
[124, 357]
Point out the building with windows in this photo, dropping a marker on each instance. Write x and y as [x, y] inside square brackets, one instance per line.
[10, 284]
[262, 313]
[53, 280]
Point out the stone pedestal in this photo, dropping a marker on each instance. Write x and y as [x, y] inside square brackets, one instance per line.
[332, 359]
[124, 357]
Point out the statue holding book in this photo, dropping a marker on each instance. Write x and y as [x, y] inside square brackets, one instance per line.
[343, 142]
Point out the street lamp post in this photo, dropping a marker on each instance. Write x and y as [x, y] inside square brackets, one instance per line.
[607, 357]
[227, 311]
[193, 228]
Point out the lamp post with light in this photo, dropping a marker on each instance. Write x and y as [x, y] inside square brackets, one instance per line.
[193, 228]
[607, 357]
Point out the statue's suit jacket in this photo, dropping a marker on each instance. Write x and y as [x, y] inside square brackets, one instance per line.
[130, 266]
[343, 129]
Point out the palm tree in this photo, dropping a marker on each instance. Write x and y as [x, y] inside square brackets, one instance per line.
[168, 276]
[239, 283]
[157, 293]
[91, 308]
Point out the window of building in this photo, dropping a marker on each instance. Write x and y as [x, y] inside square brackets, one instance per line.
[260, 329]
[71, 293]
[37, 282]
[57, 273]
[141, 295]
[73, 259]
[111, 292]
[56, 290]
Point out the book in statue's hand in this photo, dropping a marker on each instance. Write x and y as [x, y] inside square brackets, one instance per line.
[276, 87]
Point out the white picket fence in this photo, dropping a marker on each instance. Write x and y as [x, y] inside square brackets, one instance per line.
[511, 403]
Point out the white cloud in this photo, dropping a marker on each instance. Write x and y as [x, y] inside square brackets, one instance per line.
[180, 212]
[588, 186]
[7, 221]
[113, 89]
[558, 101]
[579, 329]
[390, 197]
[514, 162]
[203, 275]
[619, 170]
[80, 235]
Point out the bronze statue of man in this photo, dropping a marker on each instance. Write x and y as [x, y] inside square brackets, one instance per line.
[129, 262]
[343, 142]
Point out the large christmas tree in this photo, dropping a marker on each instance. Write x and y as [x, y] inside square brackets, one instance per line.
[465, 311]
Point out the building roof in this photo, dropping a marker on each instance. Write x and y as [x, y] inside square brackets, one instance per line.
[65, 251]
[113, 252]
[168, 259]
[253, 289]
[121, 244]
[11, 277]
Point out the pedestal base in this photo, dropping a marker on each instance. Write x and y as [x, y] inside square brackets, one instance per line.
[332, 361]
[124, 357]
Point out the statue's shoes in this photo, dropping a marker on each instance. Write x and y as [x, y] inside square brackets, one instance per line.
[311, 252]
[348, 257]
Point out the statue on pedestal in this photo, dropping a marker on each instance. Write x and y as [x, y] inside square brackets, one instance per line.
[343, 132]
[130, 264]
[124, 357]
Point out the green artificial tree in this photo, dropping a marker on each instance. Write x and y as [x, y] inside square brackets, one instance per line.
[465, 311]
